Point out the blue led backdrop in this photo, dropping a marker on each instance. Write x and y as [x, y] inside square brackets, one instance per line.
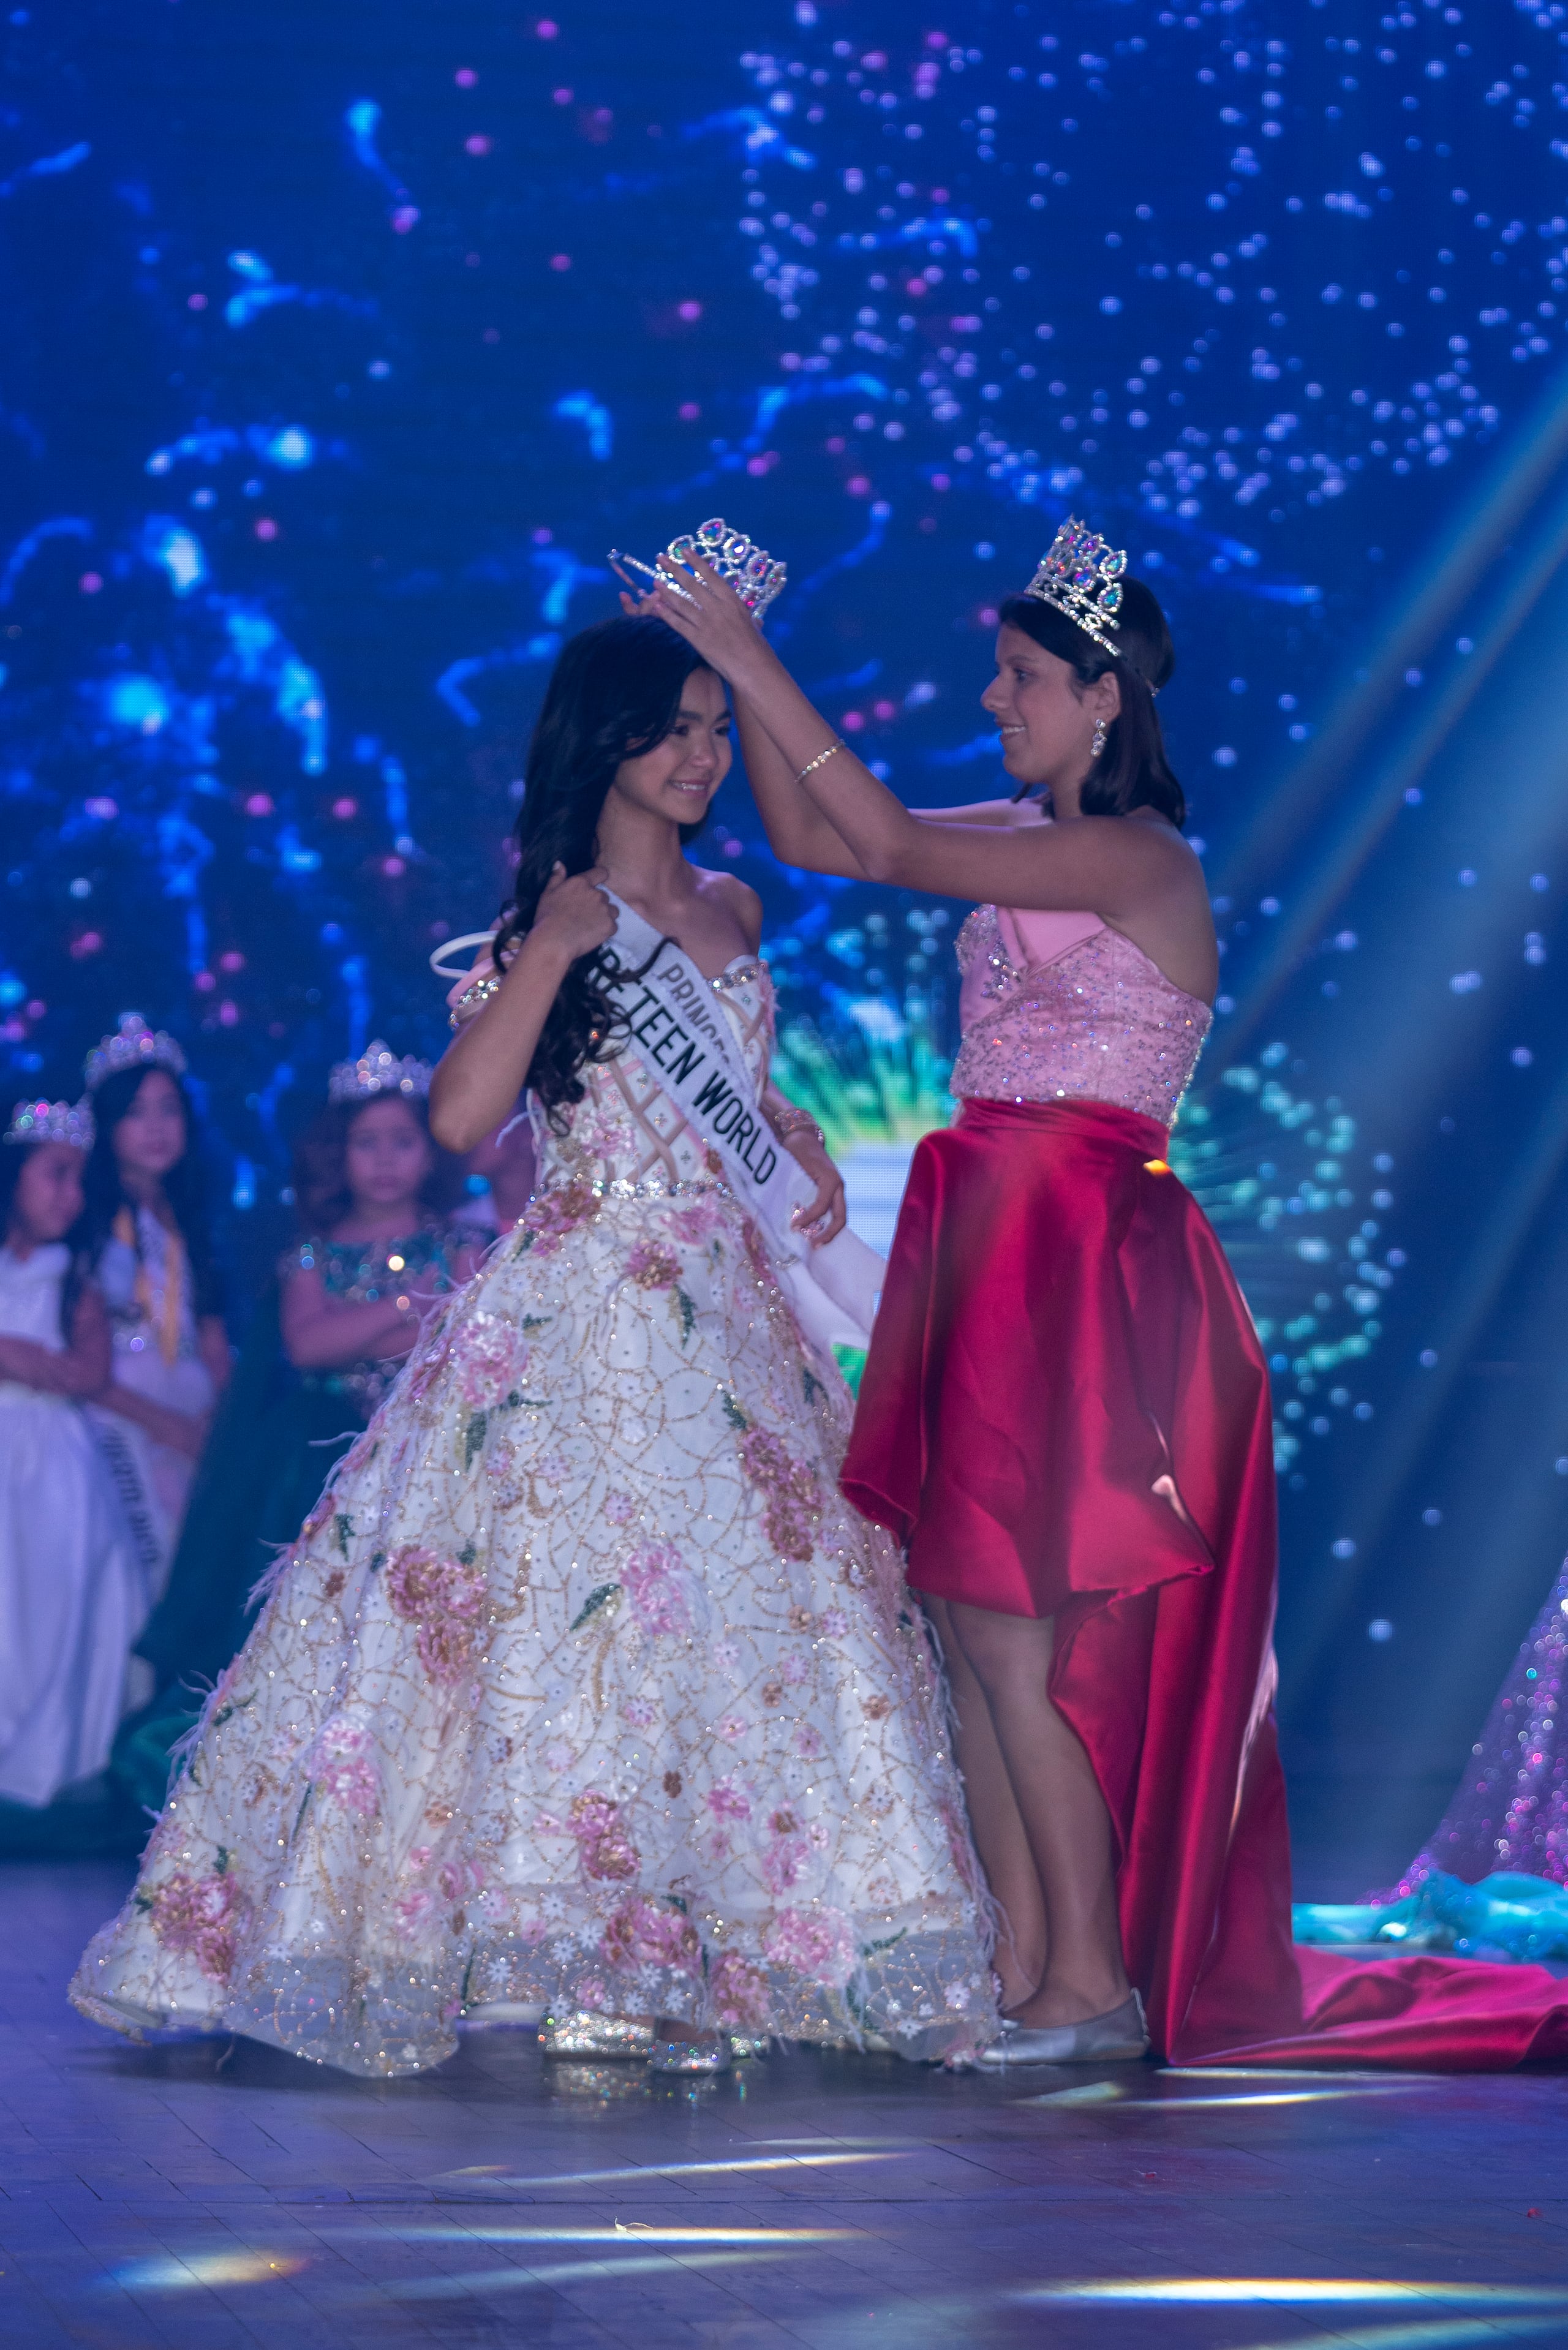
[343, 342]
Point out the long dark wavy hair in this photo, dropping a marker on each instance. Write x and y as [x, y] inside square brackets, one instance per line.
[184, 1186]
[321, 1194]
[614, 694]
[12, 1157]
[1133, 771]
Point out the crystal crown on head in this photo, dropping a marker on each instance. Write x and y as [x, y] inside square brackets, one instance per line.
[1081, 576]
[134, 1046]
[48, 1121]
[750, 569]
[377, 1071]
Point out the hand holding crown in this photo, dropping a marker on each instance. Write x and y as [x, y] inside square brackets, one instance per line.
[705, 609]
[712, 585]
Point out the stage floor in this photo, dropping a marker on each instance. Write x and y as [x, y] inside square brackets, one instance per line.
[217, 2194]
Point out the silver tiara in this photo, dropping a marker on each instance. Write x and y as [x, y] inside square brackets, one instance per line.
[751, 570]
[48, 1121]
[135, 1047]
[377, 1071]
[1081, 576]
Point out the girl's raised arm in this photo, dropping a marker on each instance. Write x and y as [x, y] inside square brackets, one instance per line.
[486, 1065]
[1099, 865]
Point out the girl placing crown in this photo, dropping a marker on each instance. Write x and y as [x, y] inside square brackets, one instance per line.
[1064, 1416]
[1063, 1377]
[583, 1698]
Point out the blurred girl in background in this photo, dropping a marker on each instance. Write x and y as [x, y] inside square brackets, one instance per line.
[144, 1239]
[72, 1596]
[375, 1198]
[508, 1159]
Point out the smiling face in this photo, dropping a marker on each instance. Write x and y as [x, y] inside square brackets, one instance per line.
[678, 778]
[48, 1195]
[387, 1159]
[150, 1138]
[1048, 718]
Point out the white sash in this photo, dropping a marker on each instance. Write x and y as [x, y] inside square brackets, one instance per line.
[683, 1041]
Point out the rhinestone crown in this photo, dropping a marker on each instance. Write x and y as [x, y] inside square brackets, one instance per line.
[1082, 577]
[751, 570]
[48, 1121]
[377, 1071]
[135, 1047]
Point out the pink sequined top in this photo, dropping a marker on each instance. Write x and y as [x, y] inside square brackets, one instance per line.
[1057, 1007]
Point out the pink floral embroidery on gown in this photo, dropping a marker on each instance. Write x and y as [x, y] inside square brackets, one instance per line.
[582, 1687]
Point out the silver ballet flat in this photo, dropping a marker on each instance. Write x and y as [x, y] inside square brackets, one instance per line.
[1115, 2038]
[690, 2056]
[587, 2033]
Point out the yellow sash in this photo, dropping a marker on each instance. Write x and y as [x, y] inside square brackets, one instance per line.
[164, 1314]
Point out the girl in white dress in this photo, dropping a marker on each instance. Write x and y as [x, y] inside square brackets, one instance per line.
[582, 1696]
[144, 1236]
[72, 1597]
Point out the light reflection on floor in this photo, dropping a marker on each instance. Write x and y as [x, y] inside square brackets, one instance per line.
[179, 2271]
[629, 2232]
[526, 2279]
[495, 2177]
[1215, 2293]
[1108, 2092]
[217, 2195]
[1443, 2336]
[1207, 2104]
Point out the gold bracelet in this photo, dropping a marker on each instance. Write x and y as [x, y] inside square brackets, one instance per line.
[821, 759]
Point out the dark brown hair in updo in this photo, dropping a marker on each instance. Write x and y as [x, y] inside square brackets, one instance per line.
[321, 1194]
[1133, 770]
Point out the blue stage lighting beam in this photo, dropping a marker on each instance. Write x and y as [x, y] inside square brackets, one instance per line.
[1497, 1244]
[1366, 817]
[1504, 497]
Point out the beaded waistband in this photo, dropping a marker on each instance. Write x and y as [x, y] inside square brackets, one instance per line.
[660, 1187]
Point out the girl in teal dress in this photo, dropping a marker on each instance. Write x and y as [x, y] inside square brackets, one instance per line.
[375, 1197]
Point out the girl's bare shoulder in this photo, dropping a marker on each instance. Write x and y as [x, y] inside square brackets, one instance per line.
[736, 898]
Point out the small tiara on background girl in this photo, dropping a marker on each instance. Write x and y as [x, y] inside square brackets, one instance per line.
[48, 1121]
[135, 1047]
[377, 1071]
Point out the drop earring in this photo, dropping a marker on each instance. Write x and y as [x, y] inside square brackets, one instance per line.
[1098, 744]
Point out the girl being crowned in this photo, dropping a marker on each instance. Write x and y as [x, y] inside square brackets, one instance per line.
[582, 1696]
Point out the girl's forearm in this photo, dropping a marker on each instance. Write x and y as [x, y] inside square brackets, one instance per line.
[870, 822]
[798, 832]
[53, 1371]
[486, 1066]
[182, 1432]
[336, 1335]
[213, 1346]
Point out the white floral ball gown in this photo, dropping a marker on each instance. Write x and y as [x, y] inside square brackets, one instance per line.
[582, 1689]
[73, 1589]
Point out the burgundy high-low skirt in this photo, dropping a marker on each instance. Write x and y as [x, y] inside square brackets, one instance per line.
[1066, 1412]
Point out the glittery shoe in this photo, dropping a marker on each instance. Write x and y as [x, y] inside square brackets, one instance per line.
[588, 2035]
[690, 2056]
[1114, 2038]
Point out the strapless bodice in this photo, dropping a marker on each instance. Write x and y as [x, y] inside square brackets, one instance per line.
[628, 1133]
[1058, 1006]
